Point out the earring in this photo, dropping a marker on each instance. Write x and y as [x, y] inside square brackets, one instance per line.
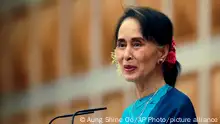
[160, 61]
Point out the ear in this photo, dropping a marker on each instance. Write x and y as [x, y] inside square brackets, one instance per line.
[163, 52]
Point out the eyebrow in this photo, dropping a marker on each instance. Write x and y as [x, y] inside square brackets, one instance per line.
[134, 38]
[138, 38]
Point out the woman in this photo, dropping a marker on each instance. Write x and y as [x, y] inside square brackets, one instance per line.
[145, 55]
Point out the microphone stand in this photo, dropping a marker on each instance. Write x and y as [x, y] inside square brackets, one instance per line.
[81, 112]
[86, 111]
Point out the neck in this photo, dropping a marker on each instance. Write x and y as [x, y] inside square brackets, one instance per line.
[150, 84]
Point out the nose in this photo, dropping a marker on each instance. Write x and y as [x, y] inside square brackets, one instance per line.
[128, 53]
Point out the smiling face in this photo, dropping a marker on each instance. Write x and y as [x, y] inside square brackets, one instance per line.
[136, 57]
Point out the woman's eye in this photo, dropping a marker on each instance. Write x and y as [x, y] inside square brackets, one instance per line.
[120, 44]
[137, 44]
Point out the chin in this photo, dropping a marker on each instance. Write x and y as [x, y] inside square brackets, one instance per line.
[130, 78]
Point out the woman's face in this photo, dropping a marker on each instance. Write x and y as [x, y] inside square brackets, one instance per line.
[136, 57]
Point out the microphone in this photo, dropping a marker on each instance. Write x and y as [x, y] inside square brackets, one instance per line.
[81, 112]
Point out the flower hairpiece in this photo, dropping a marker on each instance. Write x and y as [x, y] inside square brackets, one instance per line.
[171, 57]
[114, 61]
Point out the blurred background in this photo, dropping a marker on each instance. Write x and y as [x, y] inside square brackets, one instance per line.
[55, 57]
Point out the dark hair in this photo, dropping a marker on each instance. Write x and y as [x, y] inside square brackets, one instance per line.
[156, 27]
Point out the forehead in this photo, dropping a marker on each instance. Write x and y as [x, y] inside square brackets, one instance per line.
[129, 28]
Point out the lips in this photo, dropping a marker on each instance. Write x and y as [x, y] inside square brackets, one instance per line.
[129, 68]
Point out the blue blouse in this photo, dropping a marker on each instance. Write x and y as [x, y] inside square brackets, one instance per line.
[167, 105]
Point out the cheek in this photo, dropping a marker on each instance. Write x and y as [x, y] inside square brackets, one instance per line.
[148, 59]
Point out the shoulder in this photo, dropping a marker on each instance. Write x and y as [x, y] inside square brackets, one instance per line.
[182, 103]
[174, 101]
[179, 98]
